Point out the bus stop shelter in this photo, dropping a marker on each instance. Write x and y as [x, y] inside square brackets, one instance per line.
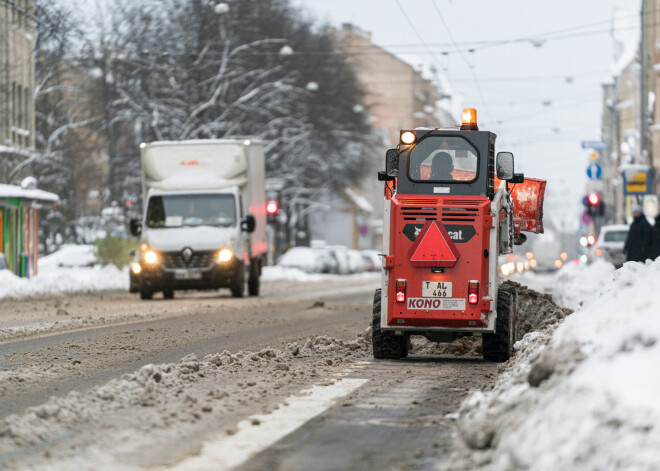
[19, 227]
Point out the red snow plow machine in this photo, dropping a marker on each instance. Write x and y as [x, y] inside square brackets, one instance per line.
[451, 208]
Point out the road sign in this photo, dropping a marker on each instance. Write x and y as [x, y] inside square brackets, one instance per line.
[636, 182]
[596, 145]
[594, 171]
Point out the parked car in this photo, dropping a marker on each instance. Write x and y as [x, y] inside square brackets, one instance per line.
[371, 260]
[307, 259]
[609, 245]
[355, 261]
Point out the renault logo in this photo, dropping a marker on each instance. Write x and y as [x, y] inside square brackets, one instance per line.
[187, 254]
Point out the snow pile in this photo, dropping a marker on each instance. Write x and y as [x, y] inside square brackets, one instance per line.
[276, 273]
[581, 397]
[176, 394]
[68, 270]
[536, 312]
[572, 284]
[63, 280]
[69, 255]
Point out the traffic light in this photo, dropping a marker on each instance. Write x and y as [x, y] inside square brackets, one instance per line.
[271, 210]
[591, 239]
[594, 204]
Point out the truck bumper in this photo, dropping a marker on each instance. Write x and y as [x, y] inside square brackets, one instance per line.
[157, 278]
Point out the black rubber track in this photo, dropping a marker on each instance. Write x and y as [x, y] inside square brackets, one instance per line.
[499, 346]
[386, 345]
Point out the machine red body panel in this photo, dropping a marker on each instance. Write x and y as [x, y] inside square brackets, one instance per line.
[466, 221]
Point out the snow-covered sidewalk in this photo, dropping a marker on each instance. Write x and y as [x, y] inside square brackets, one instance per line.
[580, 395]
[71, 269]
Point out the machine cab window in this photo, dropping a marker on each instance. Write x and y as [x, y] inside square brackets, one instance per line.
[443, 159]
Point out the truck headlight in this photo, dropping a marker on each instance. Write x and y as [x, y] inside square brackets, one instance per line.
[225, 255]
[150, 257]
[136, 268]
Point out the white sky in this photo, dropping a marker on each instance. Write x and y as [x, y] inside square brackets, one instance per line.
[515, 79]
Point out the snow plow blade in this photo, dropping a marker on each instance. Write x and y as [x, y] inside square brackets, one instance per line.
[527, 204]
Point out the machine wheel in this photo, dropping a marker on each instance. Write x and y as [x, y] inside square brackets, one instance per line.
[146, 294]
[385, 344]
[168, 294]
[499, 346]
[238, 289]
[253, 280]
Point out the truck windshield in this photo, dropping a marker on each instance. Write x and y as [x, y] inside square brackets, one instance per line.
[443, 159]
[191, 210]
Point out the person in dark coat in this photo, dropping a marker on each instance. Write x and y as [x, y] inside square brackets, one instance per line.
[655, 240]
[638, 242]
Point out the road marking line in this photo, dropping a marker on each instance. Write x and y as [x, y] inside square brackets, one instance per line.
[225, 452]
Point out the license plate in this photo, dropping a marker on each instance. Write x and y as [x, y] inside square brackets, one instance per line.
[187, 275]
[436, 289]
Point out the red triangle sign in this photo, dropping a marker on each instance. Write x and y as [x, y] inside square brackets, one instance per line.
[433, 247]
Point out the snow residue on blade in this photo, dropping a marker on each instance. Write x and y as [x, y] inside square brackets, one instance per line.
[583, 397]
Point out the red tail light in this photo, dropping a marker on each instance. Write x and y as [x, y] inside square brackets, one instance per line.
[400, 291]
[473, 292]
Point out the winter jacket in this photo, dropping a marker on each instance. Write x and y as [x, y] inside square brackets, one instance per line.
[655, 240]
[638, 243]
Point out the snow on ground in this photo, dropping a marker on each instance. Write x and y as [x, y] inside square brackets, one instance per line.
[73, 268]
[68, 270]
[172, 396]
[275, 273]
[580, 394]
[572, 284]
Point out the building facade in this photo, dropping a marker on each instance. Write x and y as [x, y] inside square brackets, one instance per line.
[17, 124]
[397, 96]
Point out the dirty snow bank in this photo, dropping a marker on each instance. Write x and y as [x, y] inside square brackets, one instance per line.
[69, 270]
[536, 311]
[175, 395]
[581, 396]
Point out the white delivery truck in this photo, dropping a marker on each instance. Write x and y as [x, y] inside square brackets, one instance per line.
[204, 217]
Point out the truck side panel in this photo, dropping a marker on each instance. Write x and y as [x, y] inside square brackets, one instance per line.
[255, 197]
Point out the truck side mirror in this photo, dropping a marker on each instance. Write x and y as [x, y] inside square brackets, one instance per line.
[248, 223]
[392, 163]
[135, 227]
[505, 165]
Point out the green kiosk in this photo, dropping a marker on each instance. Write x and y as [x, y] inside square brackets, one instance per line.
[19, 226]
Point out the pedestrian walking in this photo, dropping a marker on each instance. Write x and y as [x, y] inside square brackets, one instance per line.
[638, 242]
[655, 240]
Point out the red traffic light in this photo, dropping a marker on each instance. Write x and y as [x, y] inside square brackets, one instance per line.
[593, 199]
[591, 239]
[271, 207]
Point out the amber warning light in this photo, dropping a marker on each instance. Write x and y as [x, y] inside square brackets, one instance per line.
[469, 120]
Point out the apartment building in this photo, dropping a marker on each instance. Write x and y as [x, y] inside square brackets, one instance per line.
[17, 127]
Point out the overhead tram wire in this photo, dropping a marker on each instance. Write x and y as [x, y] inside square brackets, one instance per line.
[421, 40]
[470, 66]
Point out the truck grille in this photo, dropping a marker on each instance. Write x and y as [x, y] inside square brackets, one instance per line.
[197, 260]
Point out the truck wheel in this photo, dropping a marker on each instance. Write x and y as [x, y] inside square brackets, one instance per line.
[253, 280]
[146, 294]
[385, 344]
[499, 346]
[238, 289]
[168, 294]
